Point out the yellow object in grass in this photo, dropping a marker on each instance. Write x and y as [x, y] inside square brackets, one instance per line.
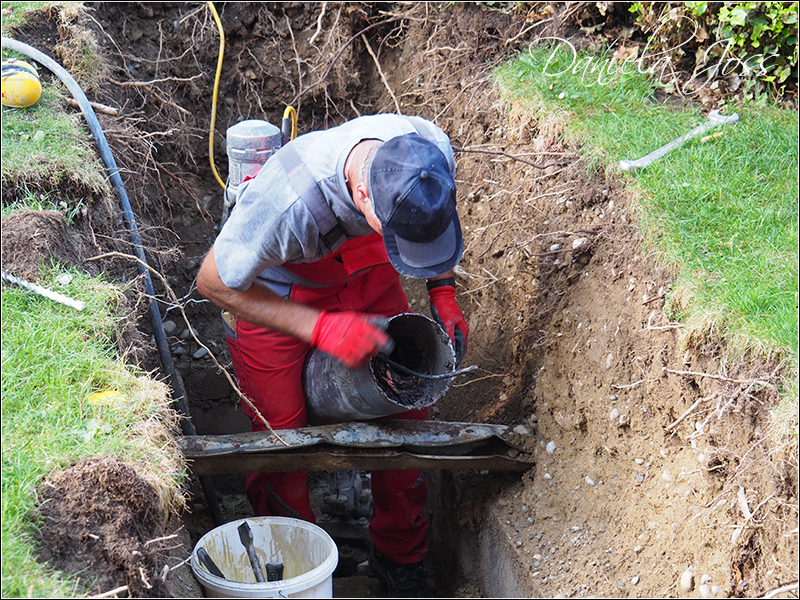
[21, 84]
[107, 397]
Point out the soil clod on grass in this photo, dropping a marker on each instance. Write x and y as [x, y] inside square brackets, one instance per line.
[99, 520]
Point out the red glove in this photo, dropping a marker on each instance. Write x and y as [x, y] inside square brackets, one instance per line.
[350, 337]
[445, 311]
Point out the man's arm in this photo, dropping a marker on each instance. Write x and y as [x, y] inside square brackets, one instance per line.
[350, 337]
[258, 304]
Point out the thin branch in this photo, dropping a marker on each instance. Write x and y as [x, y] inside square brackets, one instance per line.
[383, 77]
[180, 564]
[720, 377]
[455, 385]
[114, 592]
[152, 81]
[319, 23]
[338, 54]
[506, 154]
[174, 300]
[630, 385]
[685, 414]
[103, 108]
[161, 539]
[524, 31]
[784, 589]
[653, 299]
[480, 82]
[297, 58]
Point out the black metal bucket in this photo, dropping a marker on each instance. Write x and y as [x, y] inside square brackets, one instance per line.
[336, 394]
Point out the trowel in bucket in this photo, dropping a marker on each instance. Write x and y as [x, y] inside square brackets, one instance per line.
[209, 563]
[246, 537]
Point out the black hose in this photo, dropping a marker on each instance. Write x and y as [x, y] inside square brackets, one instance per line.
[127, 215]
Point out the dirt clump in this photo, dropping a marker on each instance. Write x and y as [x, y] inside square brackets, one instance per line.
[99, 520]
[31, 236]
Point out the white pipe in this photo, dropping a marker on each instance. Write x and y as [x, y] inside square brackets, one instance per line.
[42, 291]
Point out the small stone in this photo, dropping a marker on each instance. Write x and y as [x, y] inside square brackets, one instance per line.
[363, 569]
[638, 549]
[521, 430]
[640, 478]
[553, 550]
[624, 420]
[705, 590]
[548, 476]
[199, 353]
[551, 447]
[65, 279]
[737, 533]
[635, 580]
[614, 414]
[178, 350]
[639, 461]
[169, 327]
[186, 334]
[555, 247]
[705, 578]
[590, 481]
[579, 243]
[686, 583]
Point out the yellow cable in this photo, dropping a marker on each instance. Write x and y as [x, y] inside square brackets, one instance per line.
[216, 91]
[290, 111]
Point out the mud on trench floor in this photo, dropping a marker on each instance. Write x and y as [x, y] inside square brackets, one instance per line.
[646, 466]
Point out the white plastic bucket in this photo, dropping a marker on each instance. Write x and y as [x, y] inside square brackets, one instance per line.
[308, 553]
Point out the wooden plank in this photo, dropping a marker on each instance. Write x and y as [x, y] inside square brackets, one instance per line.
[343, 459]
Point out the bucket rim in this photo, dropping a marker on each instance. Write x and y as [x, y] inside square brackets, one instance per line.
[306, 580]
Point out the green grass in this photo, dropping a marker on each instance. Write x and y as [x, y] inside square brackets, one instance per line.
[53, 359]
[725, 212]
[45, 144]
[16, 13]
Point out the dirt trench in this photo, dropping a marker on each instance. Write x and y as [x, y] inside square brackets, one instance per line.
[651, 444]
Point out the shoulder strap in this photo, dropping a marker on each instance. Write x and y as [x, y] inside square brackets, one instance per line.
[424, 128]
[331, 232]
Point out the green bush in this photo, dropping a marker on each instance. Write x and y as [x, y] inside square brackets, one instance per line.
[756, 41]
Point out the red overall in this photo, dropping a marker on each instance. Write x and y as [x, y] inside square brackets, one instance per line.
[269, 365]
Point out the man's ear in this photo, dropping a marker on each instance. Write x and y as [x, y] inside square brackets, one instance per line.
[364, 204]
[361, 198]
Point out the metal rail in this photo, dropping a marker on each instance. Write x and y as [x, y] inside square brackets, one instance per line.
[385, 444]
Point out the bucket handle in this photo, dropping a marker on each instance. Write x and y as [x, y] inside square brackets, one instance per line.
[407, 371]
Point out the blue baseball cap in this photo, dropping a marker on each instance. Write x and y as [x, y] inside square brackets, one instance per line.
[414, 195]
